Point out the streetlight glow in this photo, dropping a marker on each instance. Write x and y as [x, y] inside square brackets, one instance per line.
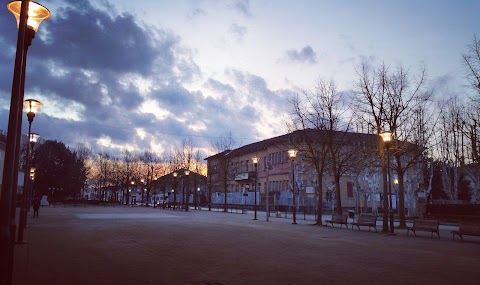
[292, 153]
[255, 159]
[36, 13]
[386, 136]
[32, 105]
[34, 137]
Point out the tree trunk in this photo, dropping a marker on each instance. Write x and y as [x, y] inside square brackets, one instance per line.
[338, 199]
[225, 198]
[319, 200]
[401, 200]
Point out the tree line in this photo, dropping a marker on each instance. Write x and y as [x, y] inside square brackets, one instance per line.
[62, 172]
[438, 136]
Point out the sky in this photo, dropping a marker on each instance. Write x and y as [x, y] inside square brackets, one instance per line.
[146, 75]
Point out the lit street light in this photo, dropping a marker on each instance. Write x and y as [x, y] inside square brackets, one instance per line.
[292, 153]
[143, 190]
[387, 138]
[31, 106]
[127, 202]
[197, 199]
[255, 163]
[26, 31]
[175, 174]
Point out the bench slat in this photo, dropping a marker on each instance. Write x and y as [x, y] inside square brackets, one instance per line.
[337, 219]
[425, 225]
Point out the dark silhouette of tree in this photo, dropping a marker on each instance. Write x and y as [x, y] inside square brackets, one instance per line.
[59, 171]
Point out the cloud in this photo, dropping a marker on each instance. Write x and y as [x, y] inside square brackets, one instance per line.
[238, 32]
[242, 7]
[305, 55]
[196, 12]
[103, 75]
[105, 65]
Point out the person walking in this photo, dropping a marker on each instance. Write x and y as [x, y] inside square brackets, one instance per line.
[36, 206]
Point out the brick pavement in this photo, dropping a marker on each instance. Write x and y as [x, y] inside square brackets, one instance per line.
[122, 245]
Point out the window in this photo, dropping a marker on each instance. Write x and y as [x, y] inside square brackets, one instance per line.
[264, 163]
[349, 189]
[246, 165]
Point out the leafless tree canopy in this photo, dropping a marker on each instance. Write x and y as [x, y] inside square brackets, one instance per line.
[471, 60]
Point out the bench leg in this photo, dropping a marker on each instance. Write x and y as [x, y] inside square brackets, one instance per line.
[456, 233]
[413, 230]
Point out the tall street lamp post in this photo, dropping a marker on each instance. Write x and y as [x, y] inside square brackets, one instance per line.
[143, 189]
[195, 195]
[292, 153]
[187, 192]
[31, 107]
[132, 183]
[197, 200]
[387, 138]
[175, 174]
[29, 15]
[255, 163]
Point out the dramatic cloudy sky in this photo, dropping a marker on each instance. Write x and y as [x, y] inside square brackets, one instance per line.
[116, 74]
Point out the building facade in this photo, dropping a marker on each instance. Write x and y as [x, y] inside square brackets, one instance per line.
[233, 173]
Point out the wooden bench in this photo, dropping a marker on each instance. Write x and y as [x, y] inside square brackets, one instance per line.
[337, 219]
[425, 225]
[467, 229]
[367, 221]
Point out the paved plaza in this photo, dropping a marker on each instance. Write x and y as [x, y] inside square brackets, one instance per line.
[124, 245]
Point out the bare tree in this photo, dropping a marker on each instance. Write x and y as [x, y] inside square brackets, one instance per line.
[128, 172]
[372, 101]
[471, 124]
[388, 99]
[407, 97]
[318, 118]
[223, 167]
[450, 145]
[100, 170]
[471, 61]
[148, 160]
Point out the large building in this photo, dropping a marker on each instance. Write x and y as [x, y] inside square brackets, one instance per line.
[233, 172]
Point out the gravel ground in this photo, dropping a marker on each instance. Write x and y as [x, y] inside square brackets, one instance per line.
[123, 245]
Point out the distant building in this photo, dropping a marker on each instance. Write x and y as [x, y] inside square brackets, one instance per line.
[357, 190]
[174, 186]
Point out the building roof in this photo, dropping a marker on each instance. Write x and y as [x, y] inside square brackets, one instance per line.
[288, 138]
